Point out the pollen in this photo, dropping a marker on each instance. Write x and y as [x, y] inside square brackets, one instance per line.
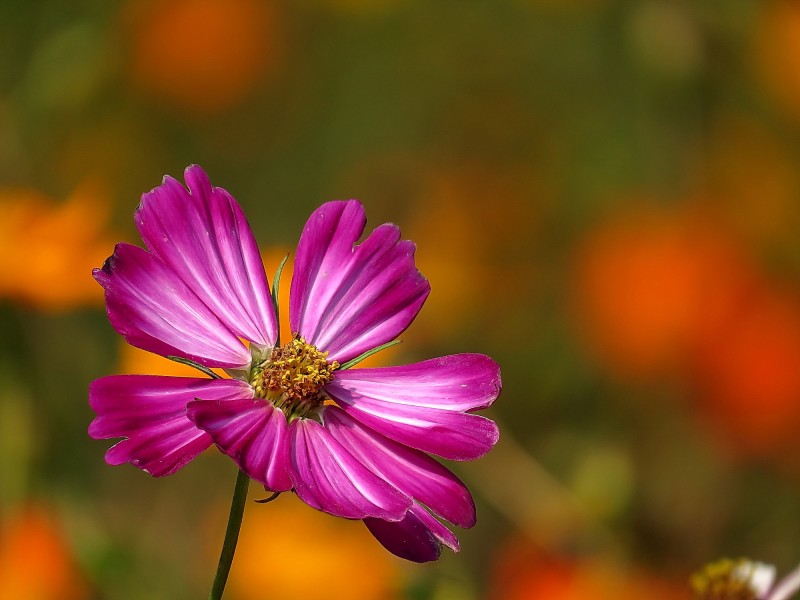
[726, 579]
[292, 377]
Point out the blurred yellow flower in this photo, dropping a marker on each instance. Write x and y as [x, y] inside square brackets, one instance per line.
[48, 250]
[318, 557]
[203, 56]
[35, 561]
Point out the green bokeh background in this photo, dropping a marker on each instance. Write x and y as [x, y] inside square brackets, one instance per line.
[498, 134]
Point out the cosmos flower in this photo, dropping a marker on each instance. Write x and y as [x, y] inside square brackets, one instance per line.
[349, 442]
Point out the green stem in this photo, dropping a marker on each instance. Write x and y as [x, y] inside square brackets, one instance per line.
[367, 354]
[231, 536]
[191, 363]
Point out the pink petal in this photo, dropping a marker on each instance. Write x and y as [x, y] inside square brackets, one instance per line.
[203, 236]
[348, 299]
[329, 478]
[150, 411]
[252, 433]
[417, 537]
[456, 382]
[414, 473]
[421, 405]
[154, 310]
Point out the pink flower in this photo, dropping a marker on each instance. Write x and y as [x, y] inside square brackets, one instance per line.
[350, 442]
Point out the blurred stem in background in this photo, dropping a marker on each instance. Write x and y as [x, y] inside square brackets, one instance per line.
[533, 500]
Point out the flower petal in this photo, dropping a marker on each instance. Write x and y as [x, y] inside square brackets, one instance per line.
[347, 299]
[457, 382]
[420, 405]
[417, 537]
[414, 473]
[150, 411]
[203, 235]
[252, 433]
[152, 308]
[329, 478]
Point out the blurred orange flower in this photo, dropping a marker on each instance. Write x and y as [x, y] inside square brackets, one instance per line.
[35, 561]
[747, 372]
[48, 250]
[666, 293]
[318, 557]
[643, 284]
[777, 52]
[204, 56]
[523, 573]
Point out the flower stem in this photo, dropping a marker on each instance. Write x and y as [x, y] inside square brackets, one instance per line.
[231, 536]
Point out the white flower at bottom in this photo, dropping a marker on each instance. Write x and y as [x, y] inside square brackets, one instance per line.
[728, 579]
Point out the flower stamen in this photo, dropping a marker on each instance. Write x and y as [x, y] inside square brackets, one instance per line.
[292, 377]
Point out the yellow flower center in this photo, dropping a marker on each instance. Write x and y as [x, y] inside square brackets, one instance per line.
[292, 377]
[726, 580]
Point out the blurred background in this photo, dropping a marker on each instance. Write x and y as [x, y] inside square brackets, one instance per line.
[605, 195]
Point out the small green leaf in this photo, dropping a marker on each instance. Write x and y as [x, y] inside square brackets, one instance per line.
[276, 283]
[191, 363]
[367, 354]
